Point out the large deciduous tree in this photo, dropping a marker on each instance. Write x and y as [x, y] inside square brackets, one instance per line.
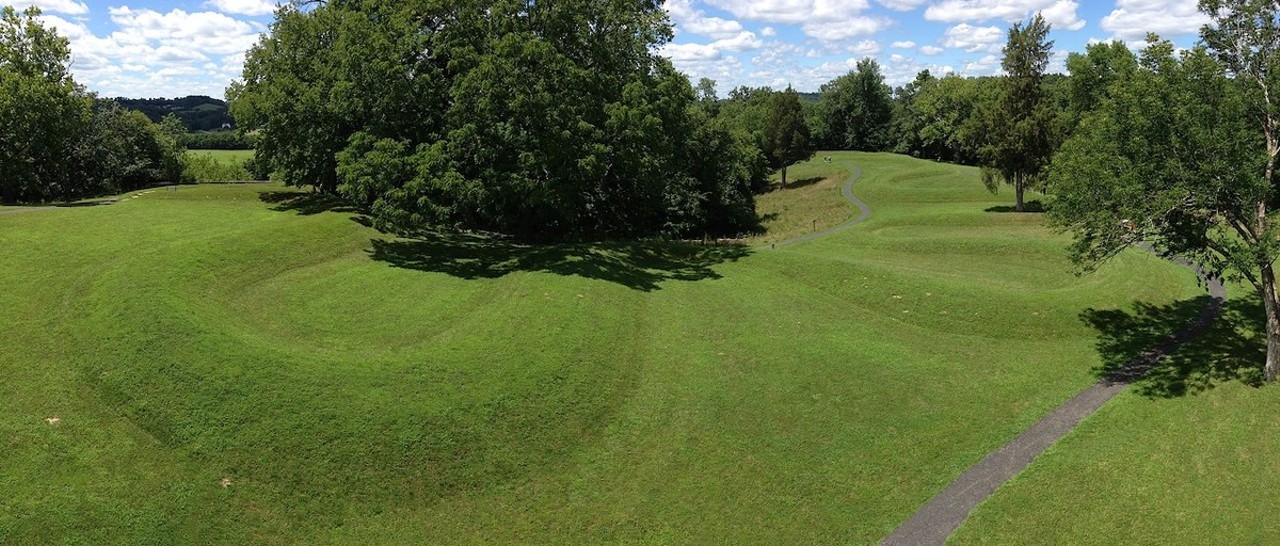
[546, 119]
[1019, 142]
[787, 138]
[857, 109]
[1174, 156]
[1245, 38]
[42, 115]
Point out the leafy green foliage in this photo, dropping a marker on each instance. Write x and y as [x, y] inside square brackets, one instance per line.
[541, 120]
[786, 135]
[1019, 130]
[857, 110]
[56, 142]
[198, 113]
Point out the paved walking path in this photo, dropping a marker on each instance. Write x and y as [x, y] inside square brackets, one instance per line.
[863, 212]
[938, 518]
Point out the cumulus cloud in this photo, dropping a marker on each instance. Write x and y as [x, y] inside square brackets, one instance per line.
[69, 7]
[157, 54]
[1133, 19]
[986, 66]
[244, 7]
[904, 45]
[825, 20]
[974, 39]
[930, 50]
[901, 5]
[1059, 13]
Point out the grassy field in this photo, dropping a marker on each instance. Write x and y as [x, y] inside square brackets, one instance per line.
[207, 166]
[244, 364]
[237, 156]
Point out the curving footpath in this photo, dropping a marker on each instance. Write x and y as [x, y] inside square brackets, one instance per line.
[863, 212]
[943, 514]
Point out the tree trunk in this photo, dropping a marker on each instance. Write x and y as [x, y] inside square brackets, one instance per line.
[1017, 188]
[784, 177]
[1271, 305]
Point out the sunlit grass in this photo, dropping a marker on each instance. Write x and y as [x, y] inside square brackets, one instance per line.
[347, 388]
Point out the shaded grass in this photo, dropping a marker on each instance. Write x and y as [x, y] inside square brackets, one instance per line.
[459, 389]
[1188, 452]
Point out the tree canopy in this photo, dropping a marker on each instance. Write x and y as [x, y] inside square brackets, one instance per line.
[539, 120]
[56, 141]
[1019, 141]
[857, 109]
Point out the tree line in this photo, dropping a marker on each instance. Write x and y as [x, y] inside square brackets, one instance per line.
[60, 142]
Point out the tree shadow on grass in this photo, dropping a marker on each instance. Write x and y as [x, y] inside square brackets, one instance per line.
[1029, 206]
[641, 265]
[1141, 346]
[794, 184]
[307, 203]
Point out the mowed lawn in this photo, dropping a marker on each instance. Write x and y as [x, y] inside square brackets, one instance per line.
[1186, 456]
[231, 156]
[233, 364]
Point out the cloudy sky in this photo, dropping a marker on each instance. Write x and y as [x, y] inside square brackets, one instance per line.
[153, 48]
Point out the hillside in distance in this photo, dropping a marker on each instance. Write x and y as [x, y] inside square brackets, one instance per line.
[197, 112]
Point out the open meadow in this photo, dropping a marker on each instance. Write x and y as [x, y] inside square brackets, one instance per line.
[251, 364]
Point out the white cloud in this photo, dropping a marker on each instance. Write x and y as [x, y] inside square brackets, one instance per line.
[156, 54]
[902, 5]
[839, 30]
[825, 20]
[903, 45]
[986, 66]
[768, 31]
[69, 7]
[694, 21]
[1062, 15]
[1133, 19]
[1058, 13]
[930, 50]
[865, 48]
[974, 39]
[244, 7]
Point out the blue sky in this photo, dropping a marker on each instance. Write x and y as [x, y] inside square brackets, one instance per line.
[153, 48]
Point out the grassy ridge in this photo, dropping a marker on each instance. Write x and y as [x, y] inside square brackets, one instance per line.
[354, 389]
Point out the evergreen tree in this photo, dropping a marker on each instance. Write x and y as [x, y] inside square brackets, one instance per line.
[787, 138]
[1019, 130]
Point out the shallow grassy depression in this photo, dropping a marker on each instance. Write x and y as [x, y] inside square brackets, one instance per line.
[241, 364]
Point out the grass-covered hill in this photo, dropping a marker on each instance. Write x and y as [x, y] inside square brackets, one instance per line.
[250, 364]
[197, 112]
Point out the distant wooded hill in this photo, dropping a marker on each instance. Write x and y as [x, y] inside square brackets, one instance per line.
[197, 112]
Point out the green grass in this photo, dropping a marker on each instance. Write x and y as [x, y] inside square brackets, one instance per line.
[811, 201]
[357, 390]
[207, 166]
[1187, 455]
[238, 156]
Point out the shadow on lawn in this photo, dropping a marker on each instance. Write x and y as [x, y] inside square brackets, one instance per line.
[793, 184]
[637, 265]
[307, 203]
[1228, 349]
[1029, 206]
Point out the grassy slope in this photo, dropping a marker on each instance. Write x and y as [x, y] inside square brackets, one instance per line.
[817, 394]
[810, 202]
[1187, 456]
